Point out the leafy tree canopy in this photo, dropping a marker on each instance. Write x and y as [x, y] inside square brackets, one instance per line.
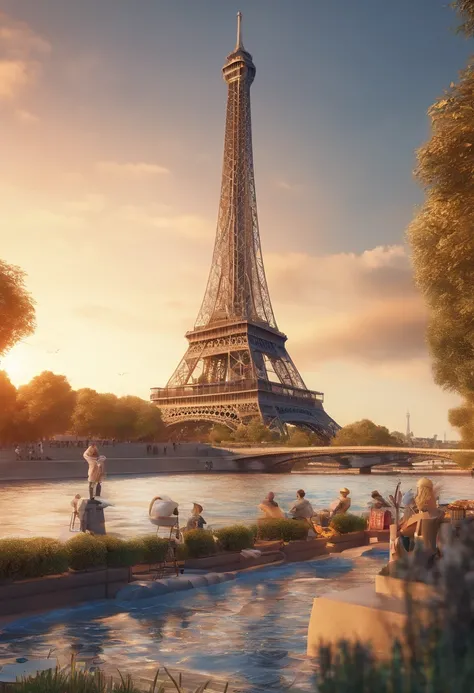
[17, 313]
[47, 403]
[364, 432]
[442, 239]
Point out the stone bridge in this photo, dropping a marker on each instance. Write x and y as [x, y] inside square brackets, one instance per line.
[358, 457]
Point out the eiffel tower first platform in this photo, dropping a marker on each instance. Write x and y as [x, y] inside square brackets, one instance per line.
[237, 367]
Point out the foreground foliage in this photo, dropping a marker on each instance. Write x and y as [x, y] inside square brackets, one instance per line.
[57, 681]
[438, 651]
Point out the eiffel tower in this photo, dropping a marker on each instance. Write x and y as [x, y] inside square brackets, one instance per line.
[236, 367]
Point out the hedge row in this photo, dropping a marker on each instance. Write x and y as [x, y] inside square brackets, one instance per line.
[21, 559]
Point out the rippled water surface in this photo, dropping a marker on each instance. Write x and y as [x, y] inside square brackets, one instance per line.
[42, 507]
[251, 631]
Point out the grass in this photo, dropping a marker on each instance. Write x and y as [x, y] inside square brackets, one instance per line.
[75, 681]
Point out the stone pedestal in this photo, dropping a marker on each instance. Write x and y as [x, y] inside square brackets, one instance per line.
[372, 614]
[359, 614]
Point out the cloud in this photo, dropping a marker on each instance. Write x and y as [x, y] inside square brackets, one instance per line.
[344, 277]
[188, 226]
[14, 76]
[385, 332]
[21, 51]
[26, 117]
[107, 317]
[130, 169]
[283, 185]
[363, 307]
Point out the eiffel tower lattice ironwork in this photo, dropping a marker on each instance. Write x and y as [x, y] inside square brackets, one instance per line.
[237, 367]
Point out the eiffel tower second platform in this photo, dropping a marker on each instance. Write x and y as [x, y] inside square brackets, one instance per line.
[235, 361]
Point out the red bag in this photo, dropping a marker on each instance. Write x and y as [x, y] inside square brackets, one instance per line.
[380, 519]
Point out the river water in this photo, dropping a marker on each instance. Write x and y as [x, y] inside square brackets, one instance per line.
[250, 631]
[42, 508]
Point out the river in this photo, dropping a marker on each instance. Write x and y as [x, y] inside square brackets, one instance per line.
[42, 508]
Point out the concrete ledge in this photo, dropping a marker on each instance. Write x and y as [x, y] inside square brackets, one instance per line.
[358, 614]
[53, 591]
[341, 542]
[304, 550]
[400, 589]
[231, 561]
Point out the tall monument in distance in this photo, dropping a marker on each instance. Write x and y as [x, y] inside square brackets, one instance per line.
[236, 367]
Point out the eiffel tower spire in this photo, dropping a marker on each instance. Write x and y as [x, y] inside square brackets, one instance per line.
[236, 366]
[237, 287]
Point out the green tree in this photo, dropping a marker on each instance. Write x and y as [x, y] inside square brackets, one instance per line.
[399, 438]
[149, 424]
[219, 433]
[257, 432]
[46, 405]
[442, 240]
[8, 409]
[17, 307]
[241, 434]
[299, 438]
[104, 415]
[363, 432]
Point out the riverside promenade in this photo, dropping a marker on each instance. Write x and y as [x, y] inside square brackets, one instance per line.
[194, 458]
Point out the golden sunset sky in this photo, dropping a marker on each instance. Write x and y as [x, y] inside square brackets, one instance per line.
[112, 119]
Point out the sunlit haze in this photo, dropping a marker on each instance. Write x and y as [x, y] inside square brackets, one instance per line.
[112, 117]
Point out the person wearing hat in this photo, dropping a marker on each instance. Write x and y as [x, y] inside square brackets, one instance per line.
[196, 520]
[342, 504]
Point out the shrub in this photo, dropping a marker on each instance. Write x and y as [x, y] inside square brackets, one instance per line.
[29, 558]
[235, 538]
[122, 553]
[199, 543]
[345, 523]
[50, 556]
[182, 552]
[285, 530]
[154, 548]
[85, 551]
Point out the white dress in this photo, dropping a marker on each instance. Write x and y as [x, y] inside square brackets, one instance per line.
[96, 468]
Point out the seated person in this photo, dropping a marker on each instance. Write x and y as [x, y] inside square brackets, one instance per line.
[427, 507]
[342, 504]
[270, 508]
[196, 520]
[302, 509]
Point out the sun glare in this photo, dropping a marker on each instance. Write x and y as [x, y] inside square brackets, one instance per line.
[17, 364]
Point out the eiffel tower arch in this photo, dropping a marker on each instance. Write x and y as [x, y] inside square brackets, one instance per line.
[236, 366]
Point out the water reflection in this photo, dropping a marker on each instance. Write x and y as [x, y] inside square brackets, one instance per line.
[42, 508]
[251, 631]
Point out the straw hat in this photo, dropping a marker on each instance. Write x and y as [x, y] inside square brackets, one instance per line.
[344, 490]
[198, 506]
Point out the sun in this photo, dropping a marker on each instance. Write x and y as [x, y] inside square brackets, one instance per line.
[18, 365]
